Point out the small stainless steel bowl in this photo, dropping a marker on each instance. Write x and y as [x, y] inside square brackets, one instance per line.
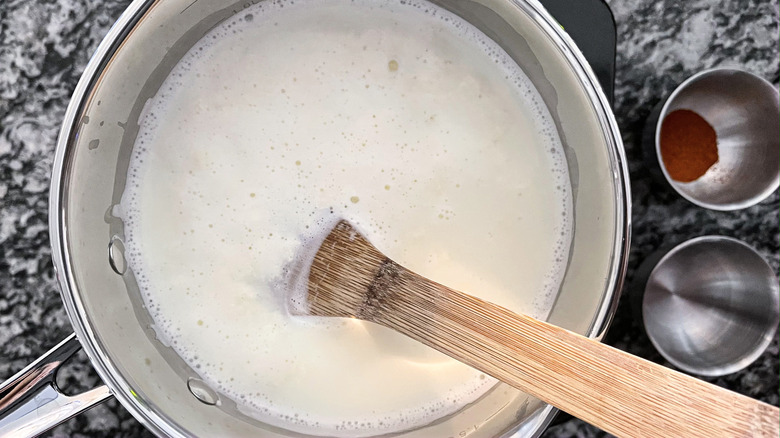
[743, 110]
[710, 305]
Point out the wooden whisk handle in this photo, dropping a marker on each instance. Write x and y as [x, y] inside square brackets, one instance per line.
[620, 393]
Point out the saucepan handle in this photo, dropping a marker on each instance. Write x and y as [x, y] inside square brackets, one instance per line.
[30, 401]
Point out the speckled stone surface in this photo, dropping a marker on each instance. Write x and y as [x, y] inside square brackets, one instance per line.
[45, 44]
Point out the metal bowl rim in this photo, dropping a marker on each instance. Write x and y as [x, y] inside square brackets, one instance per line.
[723, 369]
[718, 207]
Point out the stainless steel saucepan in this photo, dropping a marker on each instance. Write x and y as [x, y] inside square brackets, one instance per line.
[100, 292]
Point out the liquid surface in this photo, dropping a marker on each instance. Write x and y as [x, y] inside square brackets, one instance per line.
[401, 118]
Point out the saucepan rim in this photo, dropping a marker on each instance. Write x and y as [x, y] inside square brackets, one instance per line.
[58, 225]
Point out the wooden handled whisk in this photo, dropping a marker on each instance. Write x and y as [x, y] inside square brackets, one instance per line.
[620, 393]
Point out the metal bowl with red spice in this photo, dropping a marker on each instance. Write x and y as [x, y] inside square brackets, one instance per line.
[716, 139]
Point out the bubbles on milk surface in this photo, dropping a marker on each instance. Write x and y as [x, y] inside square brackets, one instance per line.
[289, 116]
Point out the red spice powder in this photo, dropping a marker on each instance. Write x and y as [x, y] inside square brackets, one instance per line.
[689, 145]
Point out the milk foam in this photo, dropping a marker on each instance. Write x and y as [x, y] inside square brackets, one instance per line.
[291, 115]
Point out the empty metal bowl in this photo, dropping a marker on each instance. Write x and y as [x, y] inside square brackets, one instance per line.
[743, 110]
[710, 305]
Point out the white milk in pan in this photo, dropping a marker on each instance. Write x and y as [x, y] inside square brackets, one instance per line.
[399, 117]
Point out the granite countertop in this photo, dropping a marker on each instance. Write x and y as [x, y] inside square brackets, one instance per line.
[45, 44]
